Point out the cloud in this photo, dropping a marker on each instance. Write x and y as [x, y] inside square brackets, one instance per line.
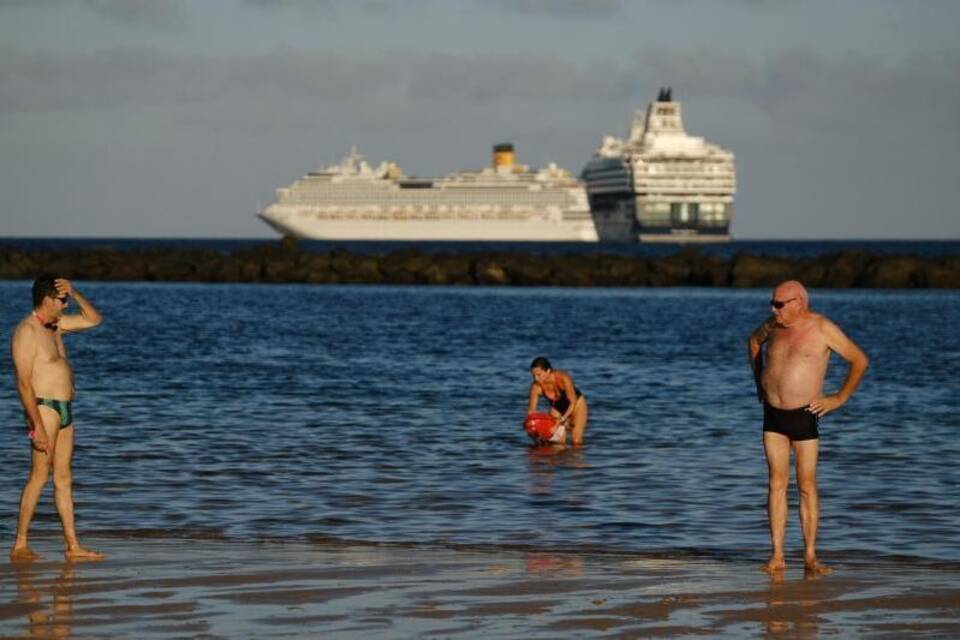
[308, 8]
[164, 14]
[167, 15]
[797, 88]
[338, 9]
[131, 77]
[800, 87]
[551, 8]
[558, 8]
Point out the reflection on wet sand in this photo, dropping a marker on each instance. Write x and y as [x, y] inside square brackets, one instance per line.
[791, 613]
[552, 563]
[49, 607]
[154, 588]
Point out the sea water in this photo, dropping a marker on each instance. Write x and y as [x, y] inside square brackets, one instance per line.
[394, 414]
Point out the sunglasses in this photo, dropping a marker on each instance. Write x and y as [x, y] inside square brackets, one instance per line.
[780, 304]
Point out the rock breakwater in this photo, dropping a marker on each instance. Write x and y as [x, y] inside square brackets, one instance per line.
[285, 262]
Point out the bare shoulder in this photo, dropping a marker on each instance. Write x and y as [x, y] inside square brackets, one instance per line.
[834, 336]
[825, 325]
[23, 343]
[25, 330]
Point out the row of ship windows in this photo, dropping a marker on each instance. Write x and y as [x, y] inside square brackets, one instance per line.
[437, 215]
[702, 207]
[432, 199]
[684, 212]
[443, 209]
[682, 168]
[684, 179]
[678, 220]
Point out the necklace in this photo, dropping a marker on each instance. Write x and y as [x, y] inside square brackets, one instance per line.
[49, 325]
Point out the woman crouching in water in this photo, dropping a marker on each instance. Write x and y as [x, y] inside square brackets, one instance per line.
[566, 401]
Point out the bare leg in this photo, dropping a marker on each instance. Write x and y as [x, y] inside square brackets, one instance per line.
[40, 463]
[807, 452]
[63, 493]
[62, 606]
[776, 446]
[579, 418]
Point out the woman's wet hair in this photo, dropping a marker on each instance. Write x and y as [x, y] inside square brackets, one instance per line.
[43, 287]
[541, 363]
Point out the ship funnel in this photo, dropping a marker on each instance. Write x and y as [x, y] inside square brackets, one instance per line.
[503, 155]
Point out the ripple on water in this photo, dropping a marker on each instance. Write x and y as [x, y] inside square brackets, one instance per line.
[393, 414]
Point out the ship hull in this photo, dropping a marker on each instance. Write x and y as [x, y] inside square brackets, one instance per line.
[682, 236]
[451, 230]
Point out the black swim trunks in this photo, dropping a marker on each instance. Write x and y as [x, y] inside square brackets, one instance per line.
[796, 424]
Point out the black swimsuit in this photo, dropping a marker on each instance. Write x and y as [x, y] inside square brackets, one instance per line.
[562, 403]
[796, 424]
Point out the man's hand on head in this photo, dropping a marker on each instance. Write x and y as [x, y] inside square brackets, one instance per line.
[64, 287]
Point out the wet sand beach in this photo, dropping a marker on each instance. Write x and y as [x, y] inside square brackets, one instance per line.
[224, 589]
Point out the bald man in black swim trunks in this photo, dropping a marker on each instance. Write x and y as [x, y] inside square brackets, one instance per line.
[789, 354]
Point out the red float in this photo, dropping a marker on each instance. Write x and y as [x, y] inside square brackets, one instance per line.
[540, 426]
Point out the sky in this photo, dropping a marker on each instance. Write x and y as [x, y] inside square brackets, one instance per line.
[179, 118]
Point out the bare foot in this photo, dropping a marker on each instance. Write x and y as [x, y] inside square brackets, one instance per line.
[774, 565]
[23, 554]
[813, 568]
[82, 553]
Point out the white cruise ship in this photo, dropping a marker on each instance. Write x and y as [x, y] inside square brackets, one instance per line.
[507, 201]
[661, 184]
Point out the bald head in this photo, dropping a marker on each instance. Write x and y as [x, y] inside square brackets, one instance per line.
[792, 289]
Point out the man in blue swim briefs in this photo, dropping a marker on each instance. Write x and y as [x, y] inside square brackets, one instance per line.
[45, 385]
[789, 354]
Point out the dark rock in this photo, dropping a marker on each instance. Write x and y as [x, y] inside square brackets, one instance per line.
[131, 270]
[228, 270]
[527, 270]
[621, 271]
[490, 271]
[761, 271]
[289, 244]
[448, 269]
[250, 270]
[317, 268]
[712, 271]
[844, 269]
[286, 262]
[574, 271]
[405, 267]
[813, 273]
[670, 272]
[16, 265]
[355, 268]
[942, 273]
[892, 272]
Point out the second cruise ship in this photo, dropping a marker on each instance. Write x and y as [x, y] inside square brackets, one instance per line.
[661, 184]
